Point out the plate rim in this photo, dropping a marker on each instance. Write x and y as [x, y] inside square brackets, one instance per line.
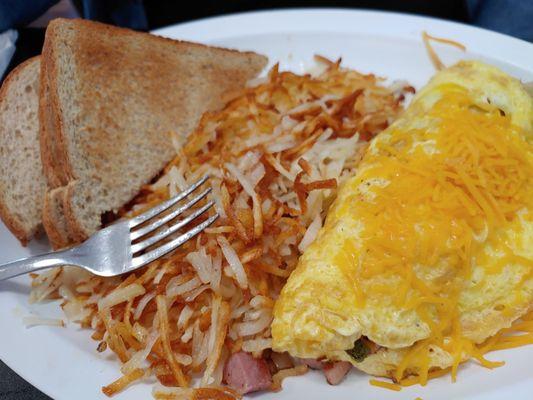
[481, 39]
[496, 39]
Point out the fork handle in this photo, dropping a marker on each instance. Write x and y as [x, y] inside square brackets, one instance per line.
[33, 264]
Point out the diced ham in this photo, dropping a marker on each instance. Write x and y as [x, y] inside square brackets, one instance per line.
[246, 374]
[312, 363]
[335, 372]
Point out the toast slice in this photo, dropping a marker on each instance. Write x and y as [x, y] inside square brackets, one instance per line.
[54, 219]
[53, 215]
[48, 127]
[113, 98]
[22, 183]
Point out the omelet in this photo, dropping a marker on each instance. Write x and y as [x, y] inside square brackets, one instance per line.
[427, 251]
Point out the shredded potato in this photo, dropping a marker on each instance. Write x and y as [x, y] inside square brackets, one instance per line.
[278, 378]
[122, 382]
[212, 393]
[386, 385]
[33, 320]
[276, 155]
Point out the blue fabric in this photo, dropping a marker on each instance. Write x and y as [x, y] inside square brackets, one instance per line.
[18, 13]
[125, 13]
[512, 17]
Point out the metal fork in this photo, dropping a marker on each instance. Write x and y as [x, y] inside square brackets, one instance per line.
[118, 248]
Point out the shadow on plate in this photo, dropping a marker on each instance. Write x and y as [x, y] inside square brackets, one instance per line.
[39, 245]
[15, 287]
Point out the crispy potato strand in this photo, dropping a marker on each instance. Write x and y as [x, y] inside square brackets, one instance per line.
[165, 340]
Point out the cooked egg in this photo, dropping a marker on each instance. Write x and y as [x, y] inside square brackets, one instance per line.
[428, 250]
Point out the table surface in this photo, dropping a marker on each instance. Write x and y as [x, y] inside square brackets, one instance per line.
[13, 387]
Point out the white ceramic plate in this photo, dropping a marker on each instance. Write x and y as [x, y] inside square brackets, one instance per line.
[64, 363]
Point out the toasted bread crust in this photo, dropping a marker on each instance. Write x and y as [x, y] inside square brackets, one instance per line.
[53, 165]
[53, 150]
[47, 128]
[12, 223]
[54, 225]
[98, 27]
[77, 232]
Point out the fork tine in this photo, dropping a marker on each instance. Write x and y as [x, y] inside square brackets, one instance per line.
[170, 230]
[168, 217]
[152, 255]
[152, 212]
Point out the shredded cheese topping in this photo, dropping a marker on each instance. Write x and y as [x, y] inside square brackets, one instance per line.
[385, 385]
[434, 58]
[439, 208]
